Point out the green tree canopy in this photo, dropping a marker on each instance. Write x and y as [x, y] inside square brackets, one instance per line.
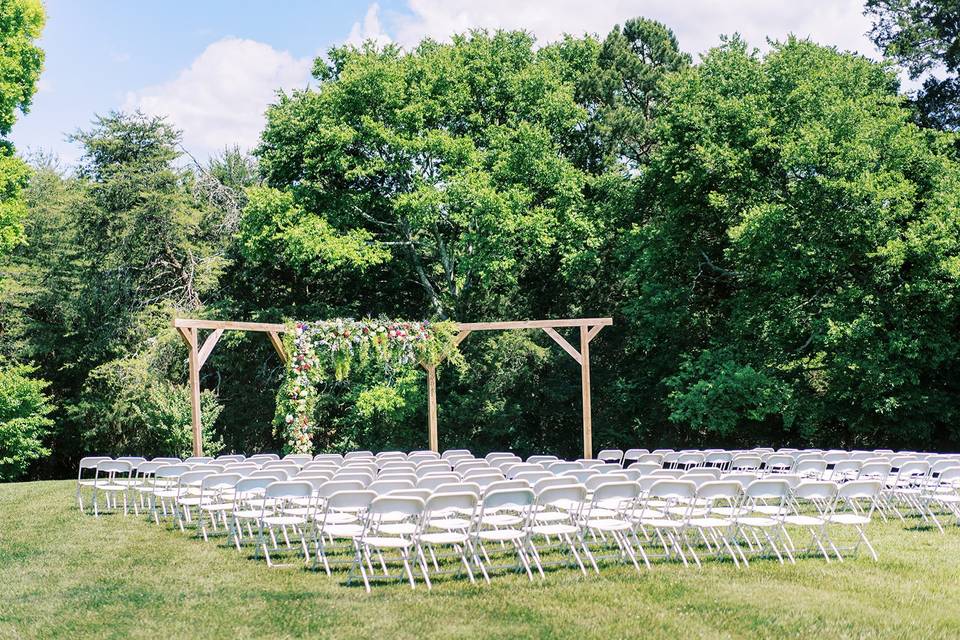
[799, 273]
[924, 36]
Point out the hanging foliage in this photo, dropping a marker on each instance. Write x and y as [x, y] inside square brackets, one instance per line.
[321, 351]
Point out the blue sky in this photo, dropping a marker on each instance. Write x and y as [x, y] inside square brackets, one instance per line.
[212, 66]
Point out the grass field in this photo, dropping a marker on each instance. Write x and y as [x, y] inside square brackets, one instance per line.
[64, 574]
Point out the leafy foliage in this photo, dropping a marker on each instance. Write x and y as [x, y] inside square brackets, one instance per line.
[24, 420]
[318, 349]
[924, 36]
[801, 262]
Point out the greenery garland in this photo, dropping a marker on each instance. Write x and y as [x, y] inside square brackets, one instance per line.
[319, 350]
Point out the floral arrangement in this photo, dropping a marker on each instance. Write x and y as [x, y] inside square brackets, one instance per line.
[319, 349]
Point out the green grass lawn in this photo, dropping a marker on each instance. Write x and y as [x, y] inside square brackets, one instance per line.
[64, 574]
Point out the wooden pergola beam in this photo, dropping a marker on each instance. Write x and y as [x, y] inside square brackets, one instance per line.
[589, 327]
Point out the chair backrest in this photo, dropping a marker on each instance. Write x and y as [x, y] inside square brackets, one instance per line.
[668, 473]
[533, 476]
[351, 455]
[724, 491]
[91, 462]
[299, 458]
[432, 467]
[462, 502]
[820, 491]
[812, 467]
[673, 490]
[539, 459]
[630, 455]
[334, 486]
[655, 458]
[746, 461]
[195, 477]
[248, 487]
[503, 485]
[615, 491]
[768, 489]
[288, 489]
[133, 460]
[514, 498]
[520, 467]
[198, 459]
[114, 466]
[698, 478]
[383, 487]
[275, 474]
[645, 468]
[610, 455]
[852, 494]
[220, 481]
[599, 479]
[453, 453]
[484, 480]
[148, 468]
[231, 458]
[718, 458]
[553, 481]
[171, 471]
[780, 462]
[580, 475]
[363, 477]
[167, 460]
[469, 465]
[570, 497]
[874, 470]
[350, 500]
[394, 507]
[561, 466]
[328, 457]
[264, 456]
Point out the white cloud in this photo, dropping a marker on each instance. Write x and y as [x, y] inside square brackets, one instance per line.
[221, 97]
[697, 23]
[369, 29]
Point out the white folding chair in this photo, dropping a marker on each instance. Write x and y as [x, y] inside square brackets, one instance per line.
[854, 507]
[111, 477]
[392, 524]
[277, 498]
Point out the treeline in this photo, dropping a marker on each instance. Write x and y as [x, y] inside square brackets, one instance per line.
[775, 235]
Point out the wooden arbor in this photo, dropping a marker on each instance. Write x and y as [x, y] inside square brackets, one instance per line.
[589, 327]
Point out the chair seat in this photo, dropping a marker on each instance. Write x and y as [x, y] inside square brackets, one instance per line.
[847, 518]
[767, 510]
[551, 516]
[711, 523]
[450, 524]
[247, 514]
[336, 518]
[446, 537]
[501, 535]
[110, 487]
[557, 529]
[609, 524]
[803, 520]
[502, 520]
[386, 542]
[344, 530]
[756, 521]
[397, 529]
[662, 523]
[216, 506]
[283, 520]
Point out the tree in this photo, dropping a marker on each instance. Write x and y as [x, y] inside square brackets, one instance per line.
[797, 281]
[924, 36]
[448, 157]
[21, 22]
[24, 421]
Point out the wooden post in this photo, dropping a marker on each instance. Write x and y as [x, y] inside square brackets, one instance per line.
[585, 391]
[432, 406]
[195, 391]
